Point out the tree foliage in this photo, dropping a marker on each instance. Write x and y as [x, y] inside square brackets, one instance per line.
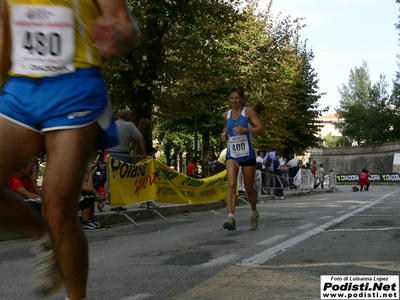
[366, 109]
[211, 45]
[369, 113]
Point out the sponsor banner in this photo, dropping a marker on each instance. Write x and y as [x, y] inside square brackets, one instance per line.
[149, 180]
[359, 287]
[383, 177]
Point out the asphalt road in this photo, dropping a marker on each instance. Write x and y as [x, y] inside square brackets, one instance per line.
[190, 256]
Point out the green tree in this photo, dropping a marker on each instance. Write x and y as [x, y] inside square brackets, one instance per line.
[395, 103]
[334, 141]
[172, 32]
[395, 96]
[365, 108]
[303, 110]
[211, 45]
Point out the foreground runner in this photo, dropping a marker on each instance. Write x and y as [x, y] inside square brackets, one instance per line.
[57, 98]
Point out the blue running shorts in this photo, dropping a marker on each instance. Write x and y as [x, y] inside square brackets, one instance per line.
[67, 101]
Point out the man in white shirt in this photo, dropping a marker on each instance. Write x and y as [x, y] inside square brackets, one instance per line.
[269, 170]
[260, 159]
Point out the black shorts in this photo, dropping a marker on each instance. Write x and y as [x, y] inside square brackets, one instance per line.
[86, 200]
[247, 163]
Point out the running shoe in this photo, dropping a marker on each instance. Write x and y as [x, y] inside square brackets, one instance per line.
[47, 279]
[89, 226]
[96, 224]
[253, 225]
[230, 223]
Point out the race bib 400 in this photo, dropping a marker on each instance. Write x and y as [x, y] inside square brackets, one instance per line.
[239, 146]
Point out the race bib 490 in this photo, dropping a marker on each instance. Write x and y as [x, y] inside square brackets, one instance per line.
[43, 40]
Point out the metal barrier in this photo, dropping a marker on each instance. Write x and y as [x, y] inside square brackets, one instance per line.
[304, 181]
[332, 182]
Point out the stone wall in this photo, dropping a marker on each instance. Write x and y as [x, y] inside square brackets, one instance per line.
[351, 160]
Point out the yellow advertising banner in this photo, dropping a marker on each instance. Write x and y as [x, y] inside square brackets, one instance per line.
[149, 180]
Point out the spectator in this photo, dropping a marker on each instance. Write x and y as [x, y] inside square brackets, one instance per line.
[145, 129]
[58, 100]
[127, 131]
[88, 200]
[269, 170]
[22, 183]
[220, 164]
[314, 168]
[278, 177]
[285, 171]
[260, 159]
[321, 176]
[293, 169]
[240, 123]
[192, 169]
[364, 180]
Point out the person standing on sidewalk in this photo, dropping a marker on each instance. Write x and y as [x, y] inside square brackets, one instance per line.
[260, 159]
[145, 127]
[269, 171]
[293, 165]
[240, 123]
[57, 98]
[321, 176]
[127, 131]
[278, 177]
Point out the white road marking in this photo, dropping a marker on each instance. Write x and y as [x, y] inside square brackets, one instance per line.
[272, 239]
[365, 229]
[138, 297]
[326, 217]
[373, 216]
[305, 226]
[269, 253]
[217, 261]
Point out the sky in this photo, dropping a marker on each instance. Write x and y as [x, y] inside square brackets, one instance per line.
[342, 34]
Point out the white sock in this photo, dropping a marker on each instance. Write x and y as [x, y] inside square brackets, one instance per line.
[44, 239]
[253, 213]
[230, 215]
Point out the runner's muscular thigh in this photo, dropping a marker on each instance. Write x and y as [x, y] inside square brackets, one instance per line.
[68, 153]
[17, 146]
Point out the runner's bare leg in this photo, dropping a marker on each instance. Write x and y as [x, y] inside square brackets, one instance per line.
[68, 153]
[17, 146]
